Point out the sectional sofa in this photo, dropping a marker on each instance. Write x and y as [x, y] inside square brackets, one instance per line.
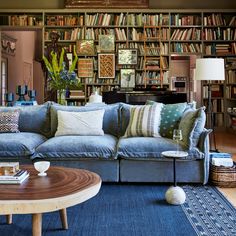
[113, 156]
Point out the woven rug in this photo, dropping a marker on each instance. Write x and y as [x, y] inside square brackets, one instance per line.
[137, 210]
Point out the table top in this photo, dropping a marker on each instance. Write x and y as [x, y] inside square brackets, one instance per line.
[61, 188]
[174, 154]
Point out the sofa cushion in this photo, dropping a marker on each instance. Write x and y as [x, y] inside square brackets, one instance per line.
[9, 121]
[33, 118]
[110, 119]
[150, 147]
[19, 144]
[192, 124]
[80, 123]
[170, 117]
[144, 121]
[78, 147]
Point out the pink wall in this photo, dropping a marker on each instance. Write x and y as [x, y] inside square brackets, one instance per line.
[21, 66]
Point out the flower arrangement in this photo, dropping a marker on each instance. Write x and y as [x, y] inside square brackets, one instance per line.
[59, 78]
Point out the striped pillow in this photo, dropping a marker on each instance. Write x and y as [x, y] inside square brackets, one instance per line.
[9, 121]
[144, 121]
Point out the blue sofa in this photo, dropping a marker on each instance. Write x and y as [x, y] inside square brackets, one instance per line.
[113, 157]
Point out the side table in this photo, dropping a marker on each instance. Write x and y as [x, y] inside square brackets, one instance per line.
[175, 195]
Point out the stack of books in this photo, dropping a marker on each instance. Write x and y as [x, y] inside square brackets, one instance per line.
[10, 173]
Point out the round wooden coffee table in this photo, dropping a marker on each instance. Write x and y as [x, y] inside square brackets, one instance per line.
[61, 188]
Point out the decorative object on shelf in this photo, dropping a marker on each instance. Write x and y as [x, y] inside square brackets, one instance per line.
[127, 78]
[106, 43]
[59, 77]
[21, 91]
[85, 68]
[106, 65]
[209, 69]
[8, 44]
[127, 56]
[41, 167]
[95, 98]
[9, 98]
[85, 47]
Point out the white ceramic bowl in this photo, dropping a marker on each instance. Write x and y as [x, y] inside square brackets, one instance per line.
[41, 167]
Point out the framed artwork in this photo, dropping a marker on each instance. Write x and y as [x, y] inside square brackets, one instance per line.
[127, 56]
[106, 65]
[127, 78]
[85, 47]
[70, 58]
[106, 43]
[85, 67]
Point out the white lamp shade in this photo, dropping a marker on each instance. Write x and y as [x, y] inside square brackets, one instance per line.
[210, 69]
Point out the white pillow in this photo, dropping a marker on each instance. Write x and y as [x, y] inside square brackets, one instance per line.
[80, 123]
[144, 121]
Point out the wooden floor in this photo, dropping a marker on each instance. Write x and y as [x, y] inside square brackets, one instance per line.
[226, 142]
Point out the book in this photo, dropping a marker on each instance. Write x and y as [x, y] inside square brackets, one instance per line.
[18, 176]
[14, 181]
[9, 168]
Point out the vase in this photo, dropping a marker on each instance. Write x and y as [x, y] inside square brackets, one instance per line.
[61, 96]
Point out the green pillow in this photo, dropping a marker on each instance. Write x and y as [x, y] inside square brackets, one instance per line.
[192, 124]
[170, 117]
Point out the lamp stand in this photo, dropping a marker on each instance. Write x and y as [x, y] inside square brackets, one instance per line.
[211, 119]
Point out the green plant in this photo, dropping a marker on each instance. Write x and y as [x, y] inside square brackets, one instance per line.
[59, 77]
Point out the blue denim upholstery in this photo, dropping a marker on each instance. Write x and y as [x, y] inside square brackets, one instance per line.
[34, 119]
[78, 147]
[19, 144]
[110, 120]
[150, 147]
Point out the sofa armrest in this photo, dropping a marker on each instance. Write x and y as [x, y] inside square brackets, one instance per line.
[204, 147]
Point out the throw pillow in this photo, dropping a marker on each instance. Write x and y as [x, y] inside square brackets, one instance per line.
[144, 121]
[170, 117]
[192, 124]
[80, 123]
[9, 121]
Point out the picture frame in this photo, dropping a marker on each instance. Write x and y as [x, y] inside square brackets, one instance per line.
[85, 47]
[127, 56]
[85, 68]
[106, 65]
[127, 78]
[106, 43]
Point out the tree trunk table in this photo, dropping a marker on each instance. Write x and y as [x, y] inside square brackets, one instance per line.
[61, 188]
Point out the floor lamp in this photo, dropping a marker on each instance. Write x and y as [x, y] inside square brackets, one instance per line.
[210, 69]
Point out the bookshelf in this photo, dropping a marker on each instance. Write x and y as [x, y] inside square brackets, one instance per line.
[201, 32]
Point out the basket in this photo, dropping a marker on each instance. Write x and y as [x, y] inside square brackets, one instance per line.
[223, 176]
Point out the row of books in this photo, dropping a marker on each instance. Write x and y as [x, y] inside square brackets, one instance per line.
[214, 20]
[230, 76]
[61, 20]
[123, 19]
[24, 20]
[186, 34]
[217, 105]
[186, 47]
[230, 92]
[153, 77]
[219, 34]
[66, 34]
[180, 20]
[220, 49]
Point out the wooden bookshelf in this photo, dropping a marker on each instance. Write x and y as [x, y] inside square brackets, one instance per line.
[202, 32]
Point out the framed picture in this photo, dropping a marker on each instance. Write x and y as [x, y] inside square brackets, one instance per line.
[85, 47]
[85, 67]
[127, 56]
[127, 78]
[106, 43]
[106, 65]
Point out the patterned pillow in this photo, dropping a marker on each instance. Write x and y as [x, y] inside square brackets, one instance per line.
[144, 121]
[192, 125]
[170, 117]
[9, 121]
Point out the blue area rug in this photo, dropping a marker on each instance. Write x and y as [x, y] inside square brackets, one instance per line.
[137, 210]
